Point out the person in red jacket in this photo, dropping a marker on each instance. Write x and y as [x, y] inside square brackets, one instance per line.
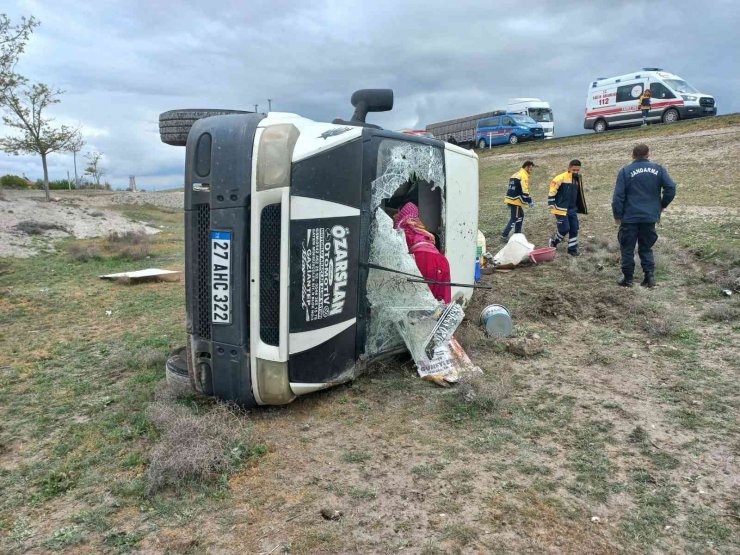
[431, 263]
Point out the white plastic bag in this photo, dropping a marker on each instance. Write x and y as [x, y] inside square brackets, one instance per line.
[515, 251]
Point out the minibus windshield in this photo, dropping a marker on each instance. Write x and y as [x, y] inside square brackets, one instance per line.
[680, 86]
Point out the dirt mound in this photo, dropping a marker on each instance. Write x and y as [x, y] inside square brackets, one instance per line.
[28, 224]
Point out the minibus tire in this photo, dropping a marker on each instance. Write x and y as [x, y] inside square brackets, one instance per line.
[176, 373]
[600, 126]
[513, 139]
[671, 116]
[482, 143]
[175, 125]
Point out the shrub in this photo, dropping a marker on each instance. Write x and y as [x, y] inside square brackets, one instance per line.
[478, 393]
[38, 228]
[195, 446]
[723, 312]
[84, 252]
[61, 184]
[14, 182]
[134, 245]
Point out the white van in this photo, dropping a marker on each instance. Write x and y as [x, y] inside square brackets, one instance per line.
[613, 101]
[537, 109]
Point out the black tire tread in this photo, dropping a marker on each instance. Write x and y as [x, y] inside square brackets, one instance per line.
[175, 125]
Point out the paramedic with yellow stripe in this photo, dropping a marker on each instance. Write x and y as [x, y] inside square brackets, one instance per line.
[566, 200]
[517, 197]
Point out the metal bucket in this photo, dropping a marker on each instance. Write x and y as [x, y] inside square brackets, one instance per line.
[497, 320]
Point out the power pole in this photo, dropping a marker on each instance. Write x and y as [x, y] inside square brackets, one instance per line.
[77, 181]
[69, 183]
[255, 108]
[269, 104]
[132, 183]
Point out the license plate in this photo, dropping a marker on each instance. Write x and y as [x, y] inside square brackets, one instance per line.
[708, 109]
[221, 277]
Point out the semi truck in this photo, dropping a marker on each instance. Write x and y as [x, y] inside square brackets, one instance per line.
[486, 129]
[538, 110]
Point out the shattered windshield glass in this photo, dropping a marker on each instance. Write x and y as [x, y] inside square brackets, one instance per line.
[399, 162]
[391, 296]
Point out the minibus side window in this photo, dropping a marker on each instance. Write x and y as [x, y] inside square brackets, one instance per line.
[659, 90]
[625, 93]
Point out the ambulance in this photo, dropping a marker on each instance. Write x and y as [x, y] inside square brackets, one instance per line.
[613, 101]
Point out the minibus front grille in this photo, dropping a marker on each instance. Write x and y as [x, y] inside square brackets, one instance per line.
[270, 274]
[706, 102]
[202, 263]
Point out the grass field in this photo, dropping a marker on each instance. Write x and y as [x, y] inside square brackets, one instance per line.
[617, 431]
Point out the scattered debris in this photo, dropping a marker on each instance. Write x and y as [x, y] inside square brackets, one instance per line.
[108, 312]
[727, 292]
[525, 346]
[515, 252]
[139, 276]
[331, 514]
[449, 364]
[595, 519]
[543, 254]
[496, 319]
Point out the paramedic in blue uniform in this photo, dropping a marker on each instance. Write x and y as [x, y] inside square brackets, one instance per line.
[566, 200]
[643, 190]
[517, 197]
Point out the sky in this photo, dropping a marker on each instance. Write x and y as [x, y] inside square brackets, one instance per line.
[123, 62]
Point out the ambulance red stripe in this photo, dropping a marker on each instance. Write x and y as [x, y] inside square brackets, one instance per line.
[612, 111]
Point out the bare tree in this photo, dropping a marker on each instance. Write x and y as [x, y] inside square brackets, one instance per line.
[93, 168]
[75, 146]
[38, 134]
[13, 40]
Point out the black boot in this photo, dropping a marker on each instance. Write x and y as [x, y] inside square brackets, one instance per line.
[649, 280]
[626, 281]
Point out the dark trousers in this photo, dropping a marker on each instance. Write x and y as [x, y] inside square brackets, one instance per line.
[567, 225]
[516, 221]
[645, 236]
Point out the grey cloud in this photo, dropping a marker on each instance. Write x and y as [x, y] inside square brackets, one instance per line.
[124, 62]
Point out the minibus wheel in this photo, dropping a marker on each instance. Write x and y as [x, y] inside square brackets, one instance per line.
[513, 139]
[670, 116]
[177, 373]
[600, 126]
[175, 125]
[482, 143]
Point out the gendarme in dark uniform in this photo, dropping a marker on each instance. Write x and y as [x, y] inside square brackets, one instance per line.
[643, 190]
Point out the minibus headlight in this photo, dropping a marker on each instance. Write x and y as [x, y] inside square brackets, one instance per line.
[273, 382]
[275, 155]
[688, 97]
